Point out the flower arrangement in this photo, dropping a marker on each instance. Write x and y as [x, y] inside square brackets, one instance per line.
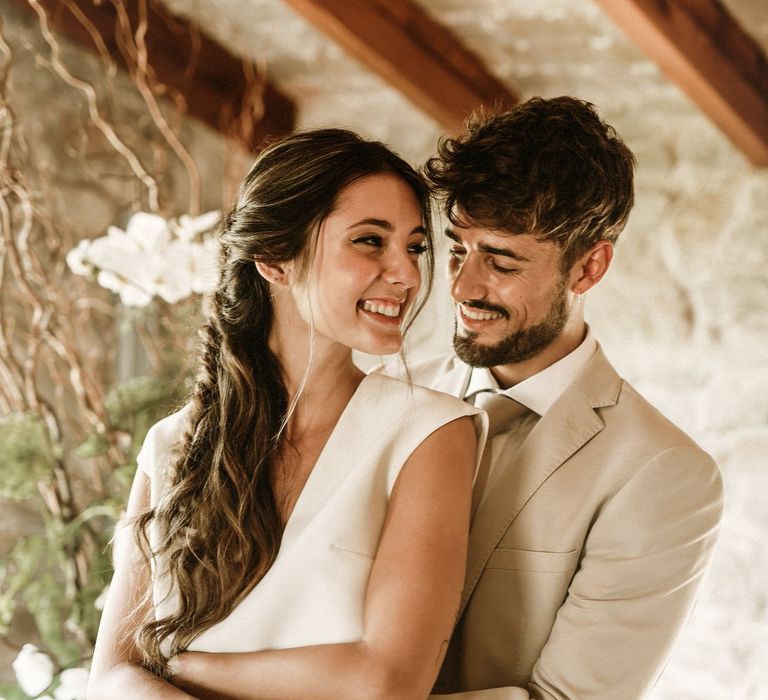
[59, 574]
[152, 257]
[35, 672]
[71, 424]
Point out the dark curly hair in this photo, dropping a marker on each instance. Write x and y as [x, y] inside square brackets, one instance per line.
[550, 167]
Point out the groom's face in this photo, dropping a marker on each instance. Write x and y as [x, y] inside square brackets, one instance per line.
[510, 294]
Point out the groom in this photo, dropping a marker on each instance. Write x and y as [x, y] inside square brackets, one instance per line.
[595, 516]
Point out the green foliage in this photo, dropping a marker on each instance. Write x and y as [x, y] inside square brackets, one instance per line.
[26, 455]
[135, 405]
[49, 602]
[57, 574]
[10, 691]
[20, 567]
[132, 408]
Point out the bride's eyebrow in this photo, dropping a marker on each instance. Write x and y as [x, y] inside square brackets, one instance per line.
[386, 225]
[381, 223]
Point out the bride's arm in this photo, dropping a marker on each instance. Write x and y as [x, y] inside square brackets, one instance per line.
[410, 605]
[116, 671]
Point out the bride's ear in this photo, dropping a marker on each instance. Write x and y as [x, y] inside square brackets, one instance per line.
[276, 273]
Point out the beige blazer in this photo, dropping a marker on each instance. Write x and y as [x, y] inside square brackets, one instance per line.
[586, 558]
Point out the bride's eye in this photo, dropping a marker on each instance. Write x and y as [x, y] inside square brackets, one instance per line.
[370, 239]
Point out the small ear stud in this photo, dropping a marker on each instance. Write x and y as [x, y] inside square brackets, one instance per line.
[271, 274]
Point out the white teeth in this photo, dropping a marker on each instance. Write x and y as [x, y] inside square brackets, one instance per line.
[378, 307]
[478, 315]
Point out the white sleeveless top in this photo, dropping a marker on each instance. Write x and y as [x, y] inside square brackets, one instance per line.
[315, 590]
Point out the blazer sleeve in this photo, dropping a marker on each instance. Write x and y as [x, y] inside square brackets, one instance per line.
[637, 582]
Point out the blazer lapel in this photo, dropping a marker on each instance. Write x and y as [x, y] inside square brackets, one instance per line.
[561, 432]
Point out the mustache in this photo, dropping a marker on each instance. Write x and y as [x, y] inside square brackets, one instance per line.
[485, 306]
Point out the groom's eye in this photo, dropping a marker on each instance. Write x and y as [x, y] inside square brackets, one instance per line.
[502, 269]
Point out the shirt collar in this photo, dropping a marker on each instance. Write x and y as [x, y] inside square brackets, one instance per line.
[540, 391]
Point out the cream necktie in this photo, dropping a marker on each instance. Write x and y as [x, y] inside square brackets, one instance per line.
[502, 411]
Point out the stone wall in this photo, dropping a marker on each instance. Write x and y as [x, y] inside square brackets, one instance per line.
[683, 315]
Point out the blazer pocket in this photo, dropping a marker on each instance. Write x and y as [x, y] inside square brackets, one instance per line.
[533, 560]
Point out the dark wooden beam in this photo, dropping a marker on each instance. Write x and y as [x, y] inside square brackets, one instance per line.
[214, 86]
[703, 49]
[412, 52]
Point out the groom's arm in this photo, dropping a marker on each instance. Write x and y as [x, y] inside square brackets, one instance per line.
[488, 694]
[637, 582]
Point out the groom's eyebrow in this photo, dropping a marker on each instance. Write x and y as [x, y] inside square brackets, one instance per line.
[491, 250]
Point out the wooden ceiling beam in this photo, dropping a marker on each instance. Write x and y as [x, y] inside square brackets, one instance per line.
[412, 52]
[706, 52]
[216, 87]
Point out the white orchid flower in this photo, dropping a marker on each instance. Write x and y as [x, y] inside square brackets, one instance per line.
[77, 259]
[205, 266]
[148, 231]
[125, 268]
[131, 295]
[124, 256]
[152, 258]
[34, 670]
[188, 228]
[109, 280]
[73, 685]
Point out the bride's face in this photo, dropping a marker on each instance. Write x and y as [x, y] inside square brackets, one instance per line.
[364, 274]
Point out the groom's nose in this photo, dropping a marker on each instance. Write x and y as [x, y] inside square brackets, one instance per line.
[468, 281]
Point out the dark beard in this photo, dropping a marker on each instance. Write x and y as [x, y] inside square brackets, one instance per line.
[520, 345]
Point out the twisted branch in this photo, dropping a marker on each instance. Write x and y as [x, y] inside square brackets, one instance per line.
[138, 51]
[93, 110]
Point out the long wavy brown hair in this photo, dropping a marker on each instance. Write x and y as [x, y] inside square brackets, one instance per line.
[219, 523]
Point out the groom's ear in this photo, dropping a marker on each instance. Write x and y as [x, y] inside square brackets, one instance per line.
[276, 273]
[589, 269]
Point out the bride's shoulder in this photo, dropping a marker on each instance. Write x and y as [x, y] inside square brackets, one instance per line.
[425, 371]
[162, 438]
[405, 396]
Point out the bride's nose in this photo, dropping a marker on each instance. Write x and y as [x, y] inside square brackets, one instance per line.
[401, 268]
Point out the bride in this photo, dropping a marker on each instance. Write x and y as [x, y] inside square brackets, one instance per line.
[299, 529]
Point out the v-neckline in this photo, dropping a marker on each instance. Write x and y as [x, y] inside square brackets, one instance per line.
[296, 514]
